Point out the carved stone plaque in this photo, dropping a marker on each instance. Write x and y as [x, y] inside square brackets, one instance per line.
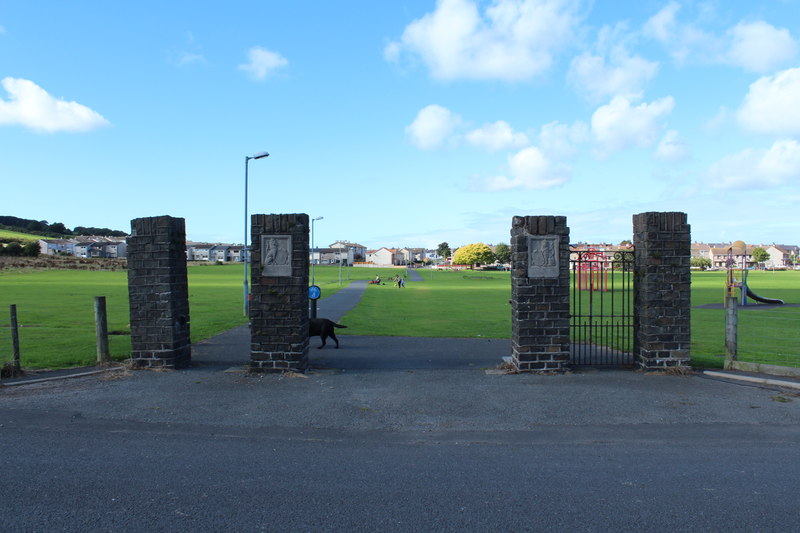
[276, 255]
[543, 256]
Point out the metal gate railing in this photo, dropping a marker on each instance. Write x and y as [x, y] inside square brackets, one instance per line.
[601, 307]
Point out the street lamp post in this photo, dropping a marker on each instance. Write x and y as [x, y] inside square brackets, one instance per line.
[313, 253]
[245, 258]
[313, 248]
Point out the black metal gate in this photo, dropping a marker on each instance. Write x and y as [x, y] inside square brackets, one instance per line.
[601, 307]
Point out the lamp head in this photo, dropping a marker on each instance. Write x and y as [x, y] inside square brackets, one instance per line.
[257, 156]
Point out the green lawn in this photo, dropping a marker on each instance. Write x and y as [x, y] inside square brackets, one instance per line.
[16, 235]
[446, 304]
[761, 331]
[55, 309]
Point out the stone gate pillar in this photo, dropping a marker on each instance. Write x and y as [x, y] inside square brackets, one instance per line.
[158, 292]
[279, 304]
[540, 293]
[662, 285]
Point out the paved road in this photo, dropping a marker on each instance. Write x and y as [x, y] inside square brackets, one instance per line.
[396, 434]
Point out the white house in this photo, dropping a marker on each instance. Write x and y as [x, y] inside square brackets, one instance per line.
[382, 257]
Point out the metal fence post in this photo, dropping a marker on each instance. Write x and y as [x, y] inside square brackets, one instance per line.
[731, 329]
[15, 338]
[101, 330]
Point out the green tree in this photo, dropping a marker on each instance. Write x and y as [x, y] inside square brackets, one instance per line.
[443, 250]
[31, 249]
[59, 228]
[701, 262]
[13, 249]
[502, 252]
[473, 254]
[759, 255]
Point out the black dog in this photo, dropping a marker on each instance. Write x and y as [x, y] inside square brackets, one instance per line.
[323, 328]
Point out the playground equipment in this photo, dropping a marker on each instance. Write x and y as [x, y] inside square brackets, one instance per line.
[592, 271]
[733, 283]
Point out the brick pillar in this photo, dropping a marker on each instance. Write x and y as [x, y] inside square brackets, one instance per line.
[540, 293]
[662, 285]
[158, 293]
[279, 304]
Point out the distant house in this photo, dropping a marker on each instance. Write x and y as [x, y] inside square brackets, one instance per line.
[116, 249]
[779, 256]
[432, 255]
[331, 256]
[738, 251]
[358, 251]
[701, 250]
[382, 257]
[407, 256]
[198, 251]
[57, 246]
[214, 252]
[85, 247]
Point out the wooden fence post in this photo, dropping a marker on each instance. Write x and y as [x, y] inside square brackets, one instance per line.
[101, 330]
[731, 330]
[15, 338]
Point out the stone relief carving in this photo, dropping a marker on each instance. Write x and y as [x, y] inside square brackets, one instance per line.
[543, 257]
[276, 255]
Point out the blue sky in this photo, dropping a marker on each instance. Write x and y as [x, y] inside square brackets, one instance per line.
[404, 123]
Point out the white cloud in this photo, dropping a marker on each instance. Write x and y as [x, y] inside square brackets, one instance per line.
[683, 41]
[671, 147]
[497, 136]
[560, 141]
[772, 104]
[432, 126]
[754, 46]
[760, 47]
[31, 106]
[263, 62]
[620, 125]
[662, 26]
[511, 40]
[758, 169]
[529, 169]
[610, 70]
[622, 75]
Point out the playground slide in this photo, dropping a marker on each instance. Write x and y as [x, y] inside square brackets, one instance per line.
[756, 297]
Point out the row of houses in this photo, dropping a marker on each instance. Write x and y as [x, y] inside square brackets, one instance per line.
[780, 255]
[349, 253]
[85, 246]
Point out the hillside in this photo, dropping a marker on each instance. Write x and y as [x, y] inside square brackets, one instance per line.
[9, 235]
[29, 229]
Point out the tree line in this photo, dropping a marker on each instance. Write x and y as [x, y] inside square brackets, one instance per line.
[56, 229]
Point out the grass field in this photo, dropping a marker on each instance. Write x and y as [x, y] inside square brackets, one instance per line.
[16, 235]
[55, 310]
[446, 304]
